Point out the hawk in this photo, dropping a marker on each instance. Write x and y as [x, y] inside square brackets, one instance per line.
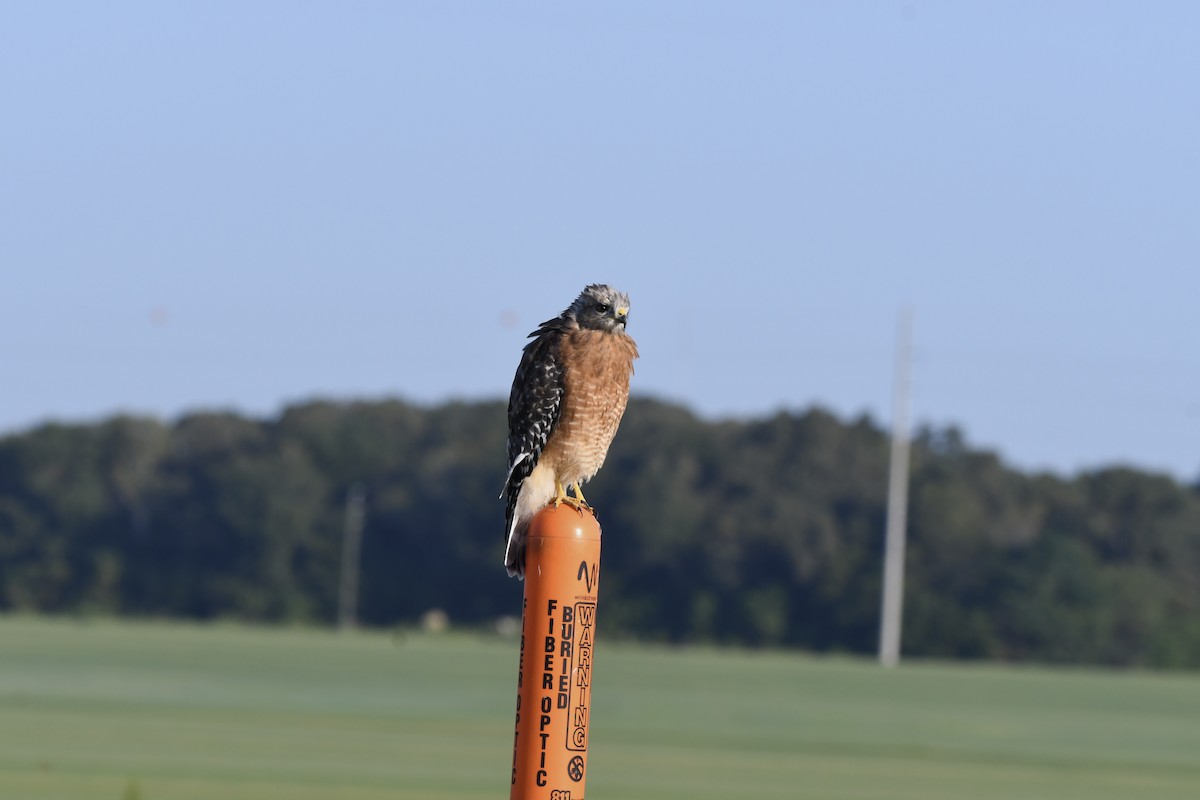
[566, 402]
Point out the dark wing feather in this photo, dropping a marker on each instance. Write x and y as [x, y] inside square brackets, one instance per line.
[533, 407]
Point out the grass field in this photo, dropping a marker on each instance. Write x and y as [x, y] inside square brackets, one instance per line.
[120, 711]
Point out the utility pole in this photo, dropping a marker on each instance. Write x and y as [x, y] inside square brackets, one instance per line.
[351, 548]
[892, 609]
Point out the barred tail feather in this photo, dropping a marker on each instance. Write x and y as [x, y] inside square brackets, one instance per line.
[514, 550]
[526, 497]
[514, 542]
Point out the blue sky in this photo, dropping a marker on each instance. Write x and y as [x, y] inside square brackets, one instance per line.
[241, 205]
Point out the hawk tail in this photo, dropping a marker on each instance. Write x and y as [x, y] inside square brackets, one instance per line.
[514, 540]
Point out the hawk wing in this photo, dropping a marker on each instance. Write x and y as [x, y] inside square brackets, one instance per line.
[533, 410]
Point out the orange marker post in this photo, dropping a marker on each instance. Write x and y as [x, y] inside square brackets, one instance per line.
[558, 633]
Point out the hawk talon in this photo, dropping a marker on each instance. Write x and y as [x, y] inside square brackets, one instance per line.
[581, 504]
[577, 502]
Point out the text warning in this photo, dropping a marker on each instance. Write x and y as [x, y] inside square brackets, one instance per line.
[580, 700]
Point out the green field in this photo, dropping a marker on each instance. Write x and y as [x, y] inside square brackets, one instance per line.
[124, 711]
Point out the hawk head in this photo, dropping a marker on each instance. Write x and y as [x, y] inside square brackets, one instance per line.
[601, 307]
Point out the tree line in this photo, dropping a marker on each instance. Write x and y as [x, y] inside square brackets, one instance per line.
[763, 532]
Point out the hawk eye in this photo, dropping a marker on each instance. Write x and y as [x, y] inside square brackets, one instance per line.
[603, 307]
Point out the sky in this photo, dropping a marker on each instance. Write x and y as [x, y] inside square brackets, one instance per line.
[243, 205]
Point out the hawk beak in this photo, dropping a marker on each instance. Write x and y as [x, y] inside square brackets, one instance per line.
[622, 314]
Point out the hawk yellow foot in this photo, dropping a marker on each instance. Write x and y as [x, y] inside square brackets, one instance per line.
[582, 504]
[577, 502]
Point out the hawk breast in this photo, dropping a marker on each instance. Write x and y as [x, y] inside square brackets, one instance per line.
[596, 369]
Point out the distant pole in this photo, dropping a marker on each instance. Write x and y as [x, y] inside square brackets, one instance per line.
[892, 610]
[558, 638]
[351, 548]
